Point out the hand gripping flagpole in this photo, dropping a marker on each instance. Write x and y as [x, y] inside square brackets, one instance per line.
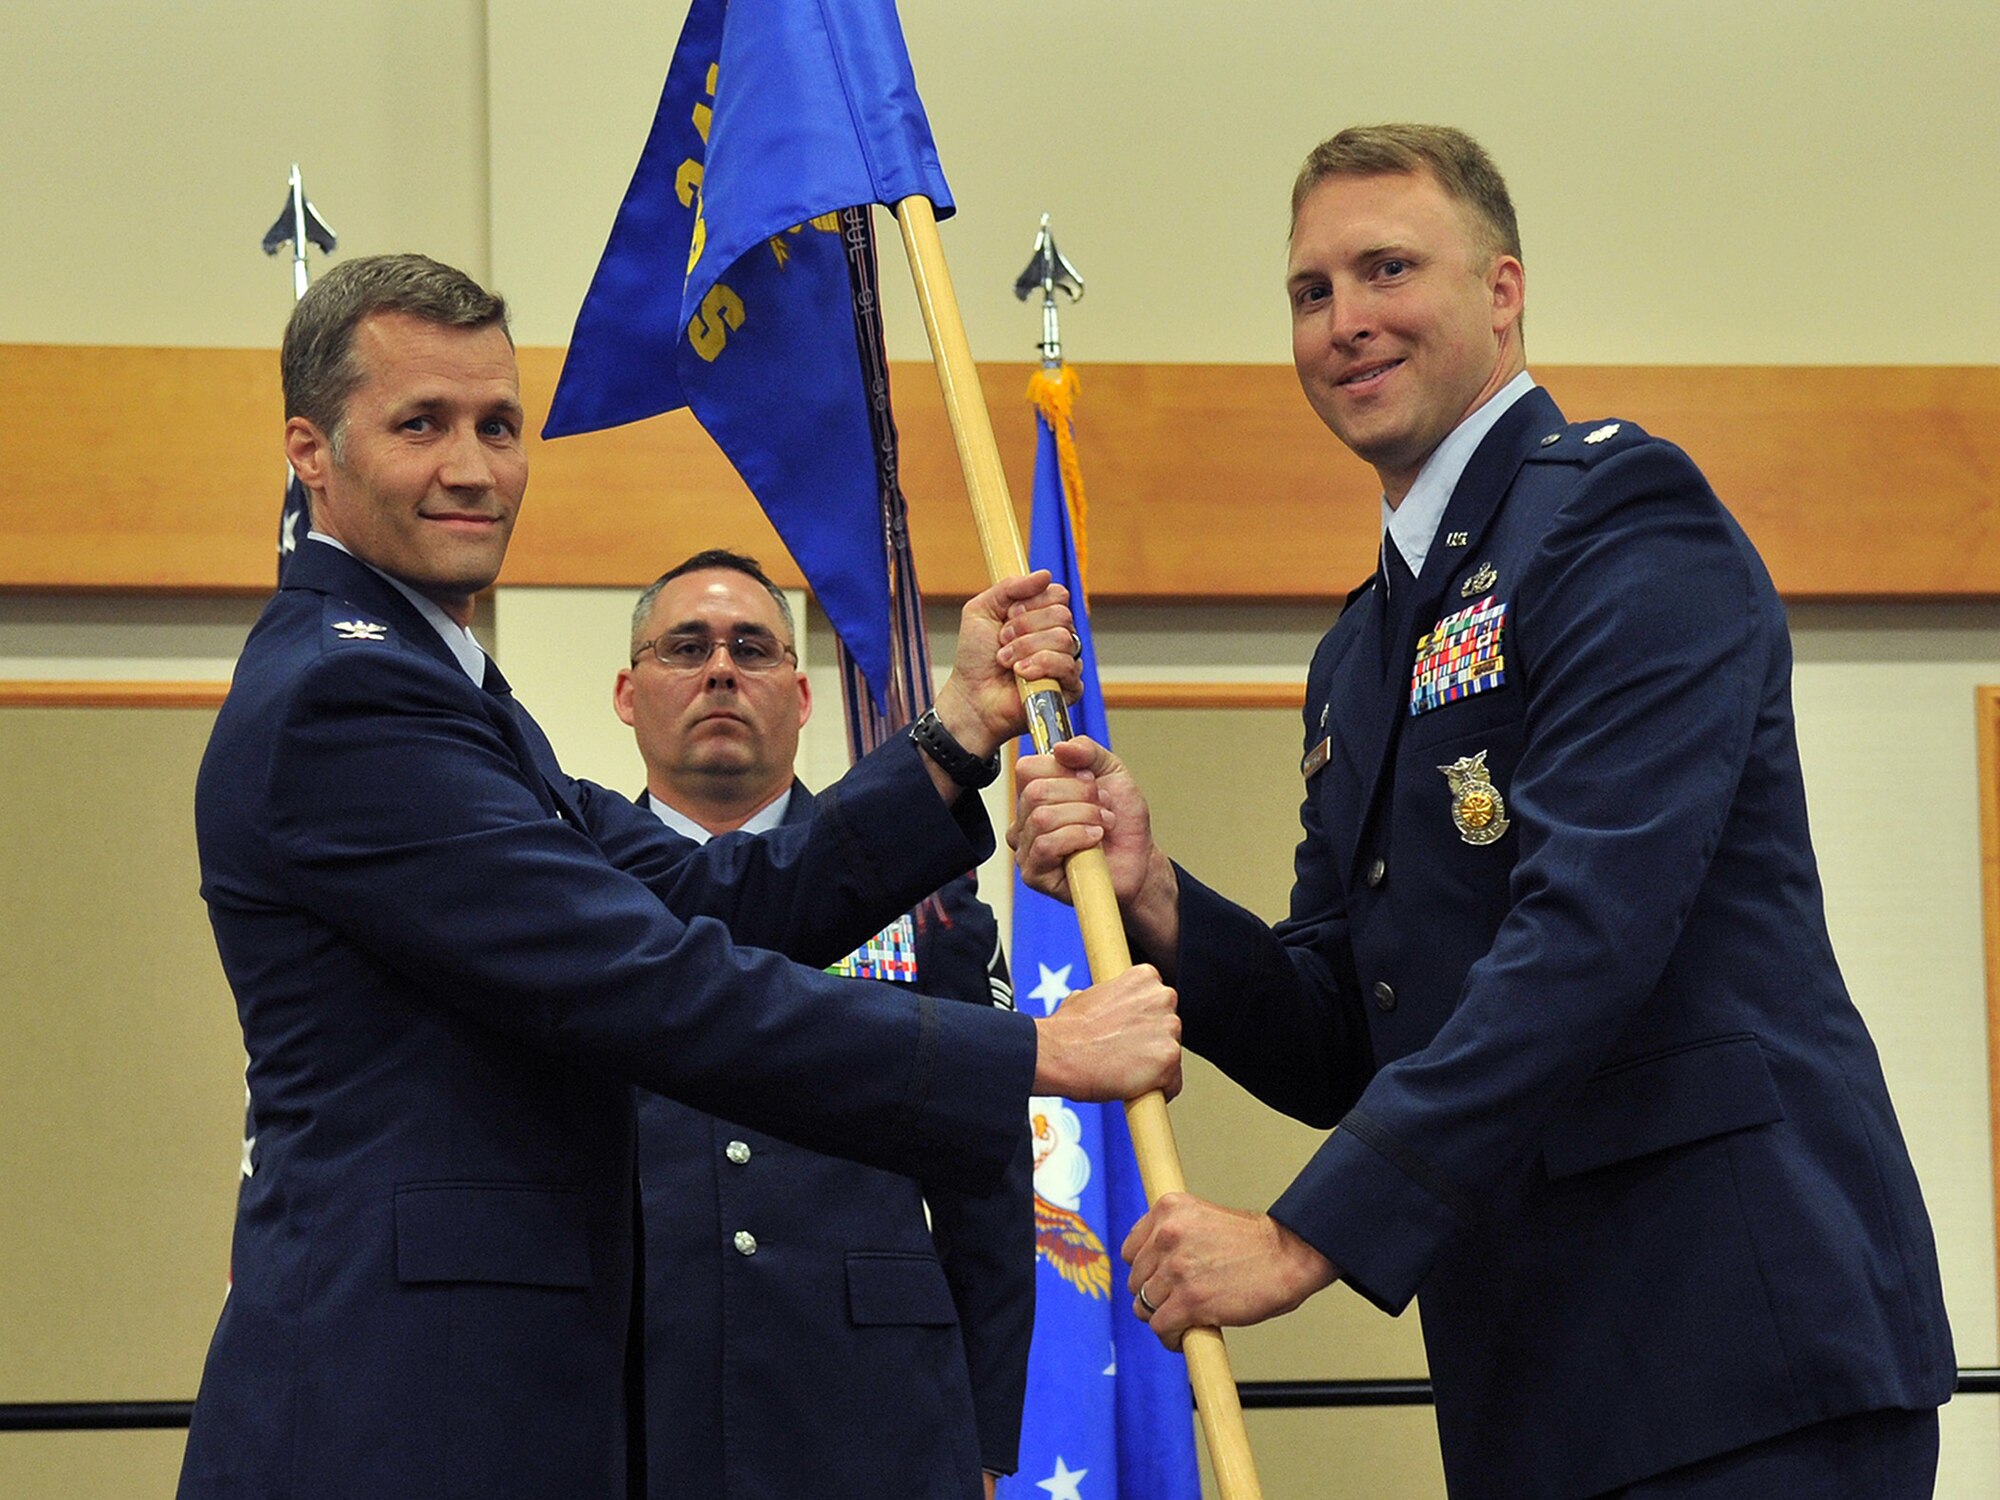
[1089, 876]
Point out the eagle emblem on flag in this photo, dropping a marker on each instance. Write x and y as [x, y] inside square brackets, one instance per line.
[1062, 1168]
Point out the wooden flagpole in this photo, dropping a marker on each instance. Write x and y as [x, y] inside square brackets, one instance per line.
[1089, 876]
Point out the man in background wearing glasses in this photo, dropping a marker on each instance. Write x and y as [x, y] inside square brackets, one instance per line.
[808, 1325]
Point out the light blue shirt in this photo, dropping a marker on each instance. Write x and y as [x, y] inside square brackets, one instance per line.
[464, 645]
[763, 820]
[1414, 523]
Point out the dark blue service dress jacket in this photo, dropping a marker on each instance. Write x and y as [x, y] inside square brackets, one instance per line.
[452, 963]
[807, 1331]
[1556, 967]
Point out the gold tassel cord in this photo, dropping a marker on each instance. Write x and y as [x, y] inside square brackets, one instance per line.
[1053, 393]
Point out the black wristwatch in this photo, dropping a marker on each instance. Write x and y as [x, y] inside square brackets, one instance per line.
[929, 735]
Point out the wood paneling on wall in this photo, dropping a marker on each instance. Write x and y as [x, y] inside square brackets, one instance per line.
[160, 468]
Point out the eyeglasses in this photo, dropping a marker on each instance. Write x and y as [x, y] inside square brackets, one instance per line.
[751, 651]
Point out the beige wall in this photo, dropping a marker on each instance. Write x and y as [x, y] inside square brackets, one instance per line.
[145, 149]
[1699, 182]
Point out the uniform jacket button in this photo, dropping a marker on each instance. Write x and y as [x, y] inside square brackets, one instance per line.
[737, 1151]
[1385, 996]
[746, 1242]
[1377, 872]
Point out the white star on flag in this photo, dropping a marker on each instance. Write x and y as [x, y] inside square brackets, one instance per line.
[1062, 1485]
[1054, 986]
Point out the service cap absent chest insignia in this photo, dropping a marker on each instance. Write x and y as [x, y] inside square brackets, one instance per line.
[1477, 809]
[1601, 434]
[360, 630]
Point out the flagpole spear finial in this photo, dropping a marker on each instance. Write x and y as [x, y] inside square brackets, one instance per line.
[299, 225]
[1049, 272]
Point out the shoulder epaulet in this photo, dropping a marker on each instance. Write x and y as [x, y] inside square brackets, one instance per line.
[1588, 443]
[345, 625]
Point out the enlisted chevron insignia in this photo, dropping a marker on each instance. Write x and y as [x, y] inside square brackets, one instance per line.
[360, 630]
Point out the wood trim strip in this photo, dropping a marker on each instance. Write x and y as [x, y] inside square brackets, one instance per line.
[1986, 704]
[161, 469]
[36, 694]
[1289, 695]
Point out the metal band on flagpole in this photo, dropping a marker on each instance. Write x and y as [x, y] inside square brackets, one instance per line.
[1089, 875]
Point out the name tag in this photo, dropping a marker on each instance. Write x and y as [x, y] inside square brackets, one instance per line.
[1316, 758]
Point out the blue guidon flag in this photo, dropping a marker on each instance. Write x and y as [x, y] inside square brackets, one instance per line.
[724, 285]
[1108, 1416]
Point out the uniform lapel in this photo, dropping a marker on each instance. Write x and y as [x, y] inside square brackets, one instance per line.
[537, 757]
[1353, 687]
[1474, 503]
[328, 570]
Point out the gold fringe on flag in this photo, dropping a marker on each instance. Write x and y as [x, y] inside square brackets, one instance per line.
[1053, 393]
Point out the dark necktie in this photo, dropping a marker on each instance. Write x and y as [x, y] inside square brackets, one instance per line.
[1399, 598]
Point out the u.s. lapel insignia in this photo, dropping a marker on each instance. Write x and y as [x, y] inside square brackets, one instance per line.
[1457, 539]
[1477, 809]
[1481, 580]
[360, 630]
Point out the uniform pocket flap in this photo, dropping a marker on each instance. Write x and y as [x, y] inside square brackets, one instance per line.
[492, 1231]
[1652, 1103]
[889, 1288]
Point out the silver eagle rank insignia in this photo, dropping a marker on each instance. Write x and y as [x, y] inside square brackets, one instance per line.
[1477, 809]
[360, 630]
